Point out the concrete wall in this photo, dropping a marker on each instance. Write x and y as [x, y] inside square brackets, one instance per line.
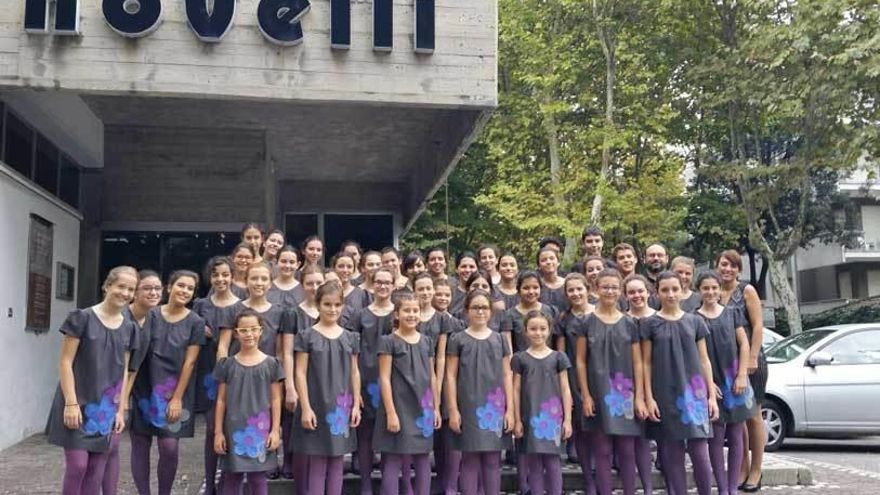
[173, 62]
[873, 275]
[871, 224]
[819, 255]
[30, 362]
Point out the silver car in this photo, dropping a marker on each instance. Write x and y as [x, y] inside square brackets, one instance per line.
[824, 382]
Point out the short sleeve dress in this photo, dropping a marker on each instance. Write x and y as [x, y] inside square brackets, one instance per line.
[329, 382]
[436, 326]
[510, 300]
[514, 322]
[240, 292]
[142, 341]
[571, 326]
[724, 354]
[286, 298]
[677, 379]
[610, 375]
[540, 401]
[357, 299]
[98, 369]
[554, 297]
[758, 379]
[481, 398]
[692, 303]
[413, 398]
[370, 327]
[157, 379]
[216, 318]
[295, 319]
[248, 418]
[271, 328]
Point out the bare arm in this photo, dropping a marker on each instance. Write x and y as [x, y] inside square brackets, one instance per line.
[440, 367]
[707, 376]
[583, 382]
[275, 433]
[452, 393]
[756, 317]
[302, 382]
[356, 392]
[385, 389]
[742, 371]
[219, 414]
[189, 364]
[290, 396]
[72, 411]
[223, 342]
[566, 404]
[639, 380]
[647, 364]
[508, 393]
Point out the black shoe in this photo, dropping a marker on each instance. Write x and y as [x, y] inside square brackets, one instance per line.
[750, 488]
[273, 475]
[741, 485]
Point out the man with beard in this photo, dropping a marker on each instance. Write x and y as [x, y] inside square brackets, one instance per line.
[656, 262]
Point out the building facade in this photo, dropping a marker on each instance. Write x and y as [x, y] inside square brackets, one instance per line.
[148, 131]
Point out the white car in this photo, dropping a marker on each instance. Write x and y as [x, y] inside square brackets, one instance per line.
[769, 338]
[824, 382]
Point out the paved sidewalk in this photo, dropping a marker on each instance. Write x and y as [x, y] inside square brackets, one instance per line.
[34, 467]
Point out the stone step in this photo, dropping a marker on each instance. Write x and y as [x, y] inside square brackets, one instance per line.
[776, 472]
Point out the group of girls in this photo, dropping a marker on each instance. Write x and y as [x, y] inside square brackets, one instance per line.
[385, 354]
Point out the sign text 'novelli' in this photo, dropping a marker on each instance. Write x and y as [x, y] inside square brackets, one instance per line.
[279, 20]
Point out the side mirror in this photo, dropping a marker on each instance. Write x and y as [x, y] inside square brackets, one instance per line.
[819, 358]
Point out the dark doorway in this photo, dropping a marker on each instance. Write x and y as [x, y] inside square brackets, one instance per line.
[370, 231]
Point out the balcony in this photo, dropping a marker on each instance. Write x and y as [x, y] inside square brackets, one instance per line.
[862, 249]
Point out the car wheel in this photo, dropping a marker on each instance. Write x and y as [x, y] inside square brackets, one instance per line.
[775, 424]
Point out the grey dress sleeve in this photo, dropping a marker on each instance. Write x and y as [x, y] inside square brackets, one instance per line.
[75, 324]
[276, 371]
[386, 345]
[516, 363]
[453, 346]
[562, 362]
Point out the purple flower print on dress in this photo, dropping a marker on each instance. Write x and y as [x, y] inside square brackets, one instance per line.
[113, 392]
[547, 424]
[425, 422]
[496, 397]
[261, 421]
[154, 409]
[373, 392]
[339, 418]
[99, 417]
[490, 416]
[729, 398]
[427, 401]
[166, 388]
[619, 398]
[692, 404]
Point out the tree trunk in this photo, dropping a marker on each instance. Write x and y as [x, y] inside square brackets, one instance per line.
[551, 133]
[609, 46]
[785, 295]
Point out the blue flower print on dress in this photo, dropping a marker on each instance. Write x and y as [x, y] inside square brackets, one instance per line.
[210, 384]
[155, 408]
[251, 441]
[693, 404]
[100, 416]
[547, 424]
[425, 422]
[339, 418]
[490, 416]
[373, 392]
[619, 398]
[731, 400]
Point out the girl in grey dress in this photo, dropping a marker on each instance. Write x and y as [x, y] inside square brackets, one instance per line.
[680, 393]
[286, 291]
[409, 412]
[610, 375]
[355, 297]
[728, 348]
[218, 310]
[248, 408]
[512, 322]
[542, 406]
[328, 384]
[88, 408]
[552, 291]
[479, 392]
[164, 391]
[243, 256]
[371, 323]
[685, 268]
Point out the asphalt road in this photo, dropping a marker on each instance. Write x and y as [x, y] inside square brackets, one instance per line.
[840, 466]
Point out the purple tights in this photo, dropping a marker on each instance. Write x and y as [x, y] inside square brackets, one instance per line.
[624, 446]
[257, 482]
[673, 464]
[111, 471]
[300, 465]
[545, 473]
[397, 466]
[140, 463]
[287, 468]
[325, 475]
[365, 453]
[581, 441]
[83, 471]
[452, 471]
[210, 455]
[477, 467]
[726, 480]
[643, 463]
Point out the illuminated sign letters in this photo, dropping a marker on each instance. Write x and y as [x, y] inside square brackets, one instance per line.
[279, 20]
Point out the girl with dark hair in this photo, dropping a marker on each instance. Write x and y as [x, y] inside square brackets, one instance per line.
[286, 291]
[685, 267]
[479, 393]
[370, 261]
[354, 250]
[489, 255]
[728, 348]
[271, 246]
[243, 256]
[313, 251]
[218, 309]
[355, 297]
[435, 260]
[328, 382]
[252, 234]
[552, 291]
[413, 264]
[371, 323]
[679, 390]
[743, 296]
[391, 260]
[248, 409]
[508, 269]
[593, 265]
[528, 284]
[88, 411]
[164, 392]
[465, 266]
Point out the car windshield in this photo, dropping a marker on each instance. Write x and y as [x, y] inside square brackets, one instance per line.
[791, 347]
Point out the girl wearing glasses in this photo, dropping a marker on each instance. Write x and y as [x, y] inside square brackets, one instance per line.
[248, 409]
[479, 392]
[609, 366]
[371, 323]
[329, 383]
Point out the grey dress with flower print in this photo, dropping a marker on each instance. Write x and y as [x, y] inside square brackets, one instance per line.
[98, 368]
[540, 405]
[610, 375]
[724, 354]
[216, 318]
[677, 379]
[513, 321]
[570, 326]
[159, 374]
[413, 397]
[248, 418]
[371, 327]
[330, 395]
[286, 298]
[480, 387]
